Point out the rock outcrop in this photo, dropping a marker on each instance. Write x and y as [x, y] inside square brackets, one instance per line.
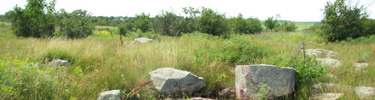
[272, 81]
[170, 80]
[110, 95]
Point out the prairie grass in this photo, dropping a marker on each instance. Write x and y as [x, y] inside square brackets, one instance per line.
[101, 63]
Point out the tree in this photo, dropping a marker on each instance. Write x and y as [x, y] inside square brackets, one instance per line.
[143, 23]
[76, 24]
[253, 25]
[344, 21]
[270, 23]
[166, 24]
[239, 24]
[36, 20]
[130, 25]
[212, 22]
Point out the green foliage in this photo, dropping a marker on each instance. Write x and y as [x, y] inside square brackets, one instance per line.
[122, 29]
[166, 24]
[147, 34]
[248, 26]
[143, 23]
[235, 50]
[345, 21]
[75, 25]
[36, 20]
[307, 68]
[212, 22]
[289, 27]
[270, 23]
[264, 92]
[130, 25]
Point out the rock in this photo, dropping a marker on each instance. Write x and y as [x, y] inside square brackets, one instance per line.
[326, 96]
[364, 93]
[329, 62]
[328, 87]
[58, 62]
[227, 92]
[321, 52]
[110, 95]
[359, 66]
[250, 79]
[142, 40]
[170, 80]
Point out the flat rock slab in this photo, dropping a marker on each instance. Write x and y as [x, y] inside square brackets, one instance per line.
[252, 79]
[321, 52]
[329, 62]
[359, 66]
[328, 87]
[110, 95]
[142, 40]
[170, 80]
[326, 96]
[365, 93]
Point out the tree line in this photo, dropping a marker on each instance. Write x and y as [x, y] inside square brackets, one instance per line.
[40, 19]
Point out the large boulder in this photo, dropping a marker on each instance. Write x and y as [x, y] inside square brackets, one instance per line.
[365, 93]
[142, 40]
[329, 62]
[110, 95]
[57, 63]
[170, 80]
[253, 79]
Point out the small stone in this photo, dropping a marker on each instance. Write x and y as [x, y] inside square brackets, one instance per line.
[226, 92]
[58, 62]
[110, 95]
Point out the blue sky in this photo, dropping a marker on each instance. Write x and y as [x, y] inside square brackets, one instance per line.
[295, 10]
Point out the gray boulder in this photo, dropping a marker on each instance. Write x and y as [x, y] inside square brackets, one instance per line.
[170, 80]
[251, 78]
[326, 96]
[142, 40]
[365, 93]
[329, 87]
[329, 62]
[57, 63]
[110, 95]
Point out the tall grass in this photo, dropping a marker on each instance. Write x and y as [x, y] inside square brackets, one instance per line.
[100, 63]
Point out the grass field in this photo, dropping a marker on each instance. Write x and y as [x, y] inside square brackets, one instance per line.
[100, 63]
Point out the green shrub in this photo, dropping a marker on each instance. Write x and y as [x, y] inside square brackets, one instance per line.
[345, 21]
[75, 25]
[289, 27]
[248, 26]
[36, 20]
[212, 22]
[143, 23]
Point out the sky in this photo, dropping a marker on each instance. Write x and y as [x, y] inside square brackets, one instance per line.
[294, 10]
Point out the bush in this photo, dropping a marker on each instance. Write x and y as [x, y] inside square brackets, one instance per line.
[166, 24]
[345, 21]
[212, 22]
[249, 26]
[289, 27]
[75, 25]
[270, 23]
[143, 23]
[36, 20]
